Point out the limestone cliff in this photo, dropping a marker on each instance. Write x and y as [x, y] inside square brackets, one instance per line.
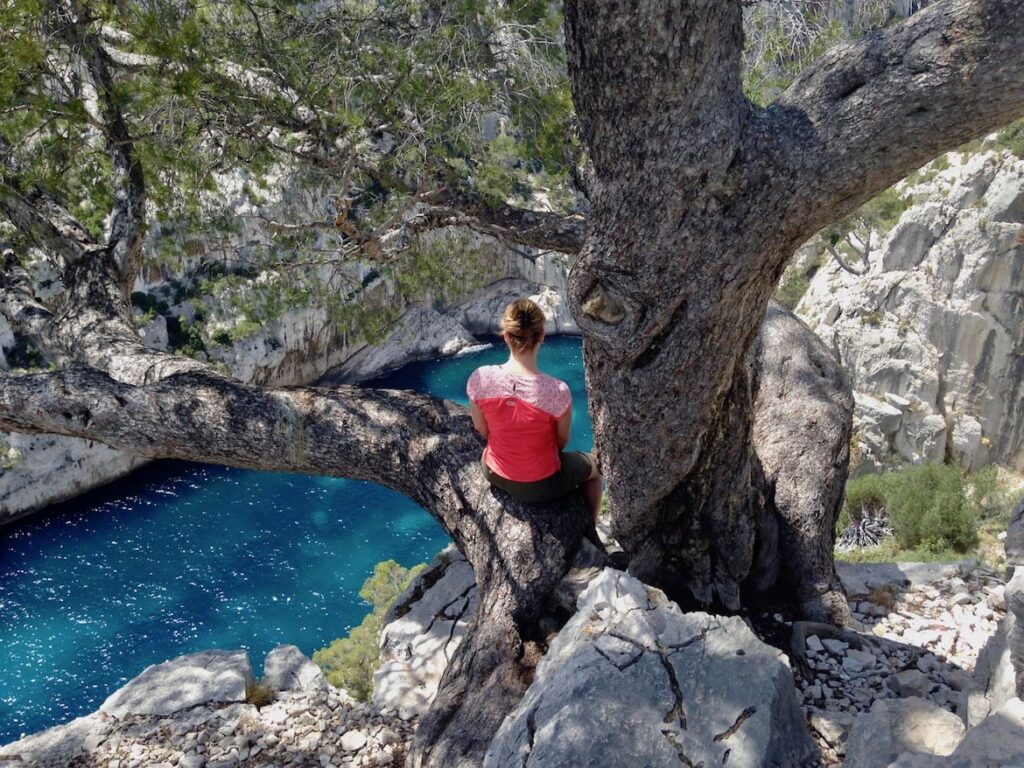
[931, 335]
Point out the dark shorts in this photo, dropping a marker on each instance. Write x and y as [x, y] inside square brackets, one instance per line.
[571, 475]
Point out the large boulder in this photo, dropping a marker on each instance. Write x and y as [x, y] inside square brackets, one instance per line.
[65, 745]
[998, 742]
[198, 678]
[935, 321]
[803, 414]
[286, 668]
[896, 726]
[632, 680]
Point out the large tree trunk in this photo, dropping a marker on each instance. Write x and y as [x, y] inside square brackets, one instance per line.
[698, 200]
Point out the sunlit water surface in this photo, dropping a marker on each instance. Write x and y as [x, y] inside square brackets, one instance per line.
[181, 557]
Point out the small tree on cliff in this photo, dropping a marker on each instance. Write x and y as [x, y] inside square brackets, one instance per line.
[697, 199]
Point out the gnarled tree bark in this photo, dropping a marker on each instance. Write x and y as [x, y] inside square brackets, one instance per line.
[697, 201]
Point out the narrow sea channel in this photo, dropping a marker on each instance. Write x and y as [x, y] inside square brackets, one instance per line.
[182, 557]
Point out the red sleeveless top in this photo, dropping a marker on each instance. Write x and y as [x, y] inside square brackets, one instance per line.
[522, 411]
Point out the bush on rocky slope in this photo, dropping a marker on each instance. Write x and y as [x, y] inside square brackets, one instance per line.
[928, 506]
[349, 662]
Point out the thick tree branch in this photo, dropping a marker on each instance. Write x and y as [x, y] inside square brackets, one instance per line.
[47, 224]
[545, 230]
[869, 112]
[22, 308]
[864, 251]
[382, 436]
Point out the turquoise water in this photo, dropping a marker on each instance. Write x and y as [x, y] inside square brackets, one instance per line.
[182, 557]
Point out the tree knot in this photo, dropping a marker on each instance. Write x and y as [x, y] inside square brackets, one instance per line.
[600, 305]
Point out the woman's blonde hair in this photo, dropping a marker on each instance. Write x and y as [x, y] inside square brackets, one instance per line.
[523, 321]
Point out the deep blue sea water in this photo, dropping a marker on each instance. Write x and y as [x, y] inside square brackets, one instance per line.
[181, 557]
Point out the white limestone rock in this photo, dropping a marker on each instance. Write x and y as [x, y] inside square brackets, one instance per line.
[481, 314]
[896, 726]
[154, 333]
[198, 678]
[422, 333]
[52, 468]
[996, 742]
[632, 680]
[60, 746]
[936, 320]
[422, 630]
[286, 668]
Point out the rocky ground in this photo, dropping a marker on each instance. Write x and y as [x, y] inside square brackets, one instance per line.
[298, 729]
[898, 687]
[924, 626]
[202, 711]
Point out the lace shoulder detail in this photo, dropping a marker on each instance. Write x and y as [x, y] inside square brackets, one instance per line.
[544, 392]
[552, 395]
[486, 381]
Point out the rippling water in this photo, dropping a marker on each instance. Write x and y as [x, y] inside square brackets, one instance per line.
[182, 557]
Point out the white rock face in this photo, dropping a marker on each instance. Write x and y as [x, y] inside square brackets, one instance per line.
[896, 727]
[296, 349]
[154, 333]
[286, 669]
[200, 678]
[481, 314]
[998, 741]
[421, 632]
[422, 333]
[932, 335]
[51, 468]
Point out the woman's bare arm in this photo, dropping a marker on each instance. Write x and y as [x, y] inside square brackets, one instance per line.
[478, 419]
[564, 425]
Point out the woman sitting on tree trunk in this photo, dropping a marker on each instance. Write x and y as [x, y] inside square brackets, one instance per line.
[525, 416]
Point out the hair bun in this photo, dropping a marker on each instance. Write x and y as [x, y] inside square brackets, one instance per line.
[524, 321]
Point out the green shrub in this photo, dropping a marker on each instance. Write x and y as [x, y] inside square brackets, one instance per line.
[927, 506]
[144, 301]
[792, 288]
[185, 337]
[23, 354]
[1012, 138]
[991, 498]
[258, 694]
[349, 662]
[864, 498]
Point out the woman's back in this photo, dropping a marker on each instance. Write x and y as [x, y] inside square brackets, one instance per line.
[522, 411]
